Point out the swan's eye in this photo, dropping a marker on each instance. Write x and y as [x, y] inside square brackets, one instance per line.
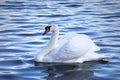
[48, 28]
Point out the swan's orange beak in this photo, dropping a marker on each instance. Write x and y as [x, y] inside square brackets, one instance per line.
[46, 31]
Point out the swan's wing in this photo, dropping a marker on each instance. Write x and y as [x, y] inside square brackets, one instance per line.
[71, 47]
[67, 47]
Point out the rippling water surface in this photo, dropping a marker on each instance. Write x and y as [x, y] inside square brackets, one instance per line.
[21, 25]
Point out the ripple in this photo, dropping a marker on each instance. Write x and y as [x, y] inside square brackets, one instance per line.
[52, 15]
[74, 5]
[11, 31]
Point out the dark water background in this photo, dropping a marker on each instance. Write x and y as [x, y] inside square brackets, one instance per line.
[21, 22]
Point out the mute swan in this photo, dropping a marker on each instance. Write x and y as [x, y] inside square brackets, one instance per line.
[72, 48]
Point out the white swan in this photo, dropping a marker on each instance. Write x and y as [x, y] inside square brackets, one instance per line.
[72, 48]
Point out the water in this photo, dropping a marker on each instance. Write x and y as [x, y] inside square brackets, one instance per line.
[21, 25]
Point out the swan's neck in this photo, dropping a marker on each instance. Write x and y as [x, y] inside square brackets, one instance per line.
[53, 40]
[50, 46]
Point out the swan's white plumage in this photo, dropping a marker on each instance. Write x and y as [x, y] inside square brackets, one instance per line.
[72, 48]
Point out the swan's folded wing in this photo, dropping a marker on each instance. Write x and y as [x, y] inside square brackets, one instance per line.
[68, 49]
[71, 47]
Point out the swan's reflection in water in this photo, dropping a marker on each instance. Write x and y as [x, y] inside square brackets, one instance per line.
[68, 71]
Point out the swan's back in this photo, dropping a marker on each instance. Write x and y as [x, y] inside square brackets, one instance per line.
[77, 42]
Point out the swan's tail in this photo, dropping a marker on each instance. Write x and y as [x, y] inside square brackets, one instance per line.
[95, 56]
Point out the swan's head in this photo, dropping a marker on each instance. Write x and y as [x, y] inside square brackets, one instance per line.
[50, 28]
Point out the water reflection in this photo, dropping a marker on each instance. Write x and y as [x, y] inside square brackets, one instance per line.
[69, 71]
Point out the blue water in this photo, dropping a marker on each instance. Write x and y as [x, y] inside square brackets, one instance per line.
[21, 25]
